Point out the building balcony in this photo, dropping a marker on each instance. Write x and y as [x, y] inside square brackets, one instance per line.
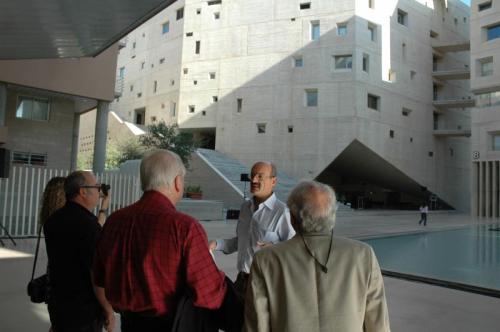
[452, 132]
[454, 103]
[442, 48]
[451, 74]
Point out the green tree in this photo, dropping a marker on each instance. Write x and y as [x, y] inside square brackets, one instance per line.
[118, 153]
[163, 136]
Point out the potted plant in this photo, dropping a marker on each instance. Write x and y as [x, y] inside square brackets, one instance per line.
[194, 192]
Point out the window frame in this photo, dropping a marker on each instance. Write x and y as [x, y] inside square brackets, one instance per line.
[29, 161]
[33, 99]
[348, 64]
[307, 94]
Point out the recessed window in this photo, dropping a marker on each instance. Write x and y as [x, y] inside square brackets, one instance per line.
[298, 61]
[198, 11]
[173, 108]
[204, 113]
[311, 97]
[412, 74]
[214, 2]
[32, 108]
[391, 133]
[216, 16]
[402, 17]
[366, 62]
[372, 30]
[486, 66]
[343, 61]
[162, 60]
[197, 47]
[180, 13]
[239, 105]
[131, 87]
[155, 86]
[496, 142]
[392, 75]
[493, 32]
[165, 27]
[215, 99]
[153, 119]
[121, 72]
[195, 82]
[342, 29]
[139, 94]
[191, 108]
[433, 34]
[484, 6]
[185, 70]
[431, 154]
[143, 64]
[305, 5]
[140, 116]
[403, 51]
[261, 128]
[211, 75]
[373, 102]
[172, 82]
[189, 34]
[488, 99]
[290, 129]
[134, 44]
[405, 111]
[371, 4]
[315, 30]
[29, 158]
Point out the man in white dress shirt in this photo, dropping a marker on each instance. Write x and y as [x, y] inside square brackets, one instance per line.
[264, 220]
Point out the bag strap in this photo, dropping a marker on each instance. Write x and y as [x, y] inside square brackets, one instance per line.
[36, 252]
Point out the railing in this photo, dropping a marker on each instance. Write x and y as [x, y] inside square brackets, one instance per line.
[21, 193]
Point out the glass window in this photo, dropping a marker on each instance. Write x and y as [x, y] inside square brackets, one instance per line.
[402, 17]
[372, 29]
[165, 27]
[343, 61]
[32, 109]
[486, 66]
[312, 98]
[298, 62]
[261, 128]
[214, 2]
[239, 105]
[342, 29]
[191, 108]
[28, 158]
[493, 32]
[366, 63]
[180, 13]
[305, 5]
[484, 6]
[314, 30]
[496, 142]
[122, 72]
[373, 102]
[197, 47]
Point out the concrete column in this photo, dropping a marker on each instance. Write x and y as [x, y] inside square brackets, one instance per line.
[487, 183]
[3, 103]
[481, 190]
[494, 189]
[74, 141]
[100, 136]
[475, 189]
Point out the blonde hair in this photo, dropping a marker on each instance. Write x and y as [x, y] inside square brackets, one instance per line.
[53, 198]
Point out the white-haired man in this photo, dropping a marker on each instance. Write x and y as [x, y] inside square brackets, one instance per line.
[150, 254]
[315, 281]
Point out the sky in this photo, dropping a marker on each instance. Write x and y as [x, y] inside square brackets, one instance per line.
[467, 2]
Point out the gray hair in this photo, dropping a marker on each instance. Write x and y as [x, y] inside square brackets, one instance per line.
[159, 169]
[73, 183]
[274, 172]
[313, 205]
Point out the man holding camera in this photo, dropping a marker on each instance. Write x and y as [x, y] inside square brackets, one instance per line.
[264, 220]
[71, 235]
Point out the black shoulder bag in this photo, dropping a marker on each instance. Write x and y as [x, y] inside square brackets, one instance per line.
[39, 288]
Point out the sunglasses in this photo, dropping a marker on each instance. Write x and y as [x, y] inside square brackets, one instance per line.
[100, 187]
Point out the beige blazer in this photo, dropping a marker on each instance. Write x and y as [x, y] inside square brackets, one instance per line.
[288, 291]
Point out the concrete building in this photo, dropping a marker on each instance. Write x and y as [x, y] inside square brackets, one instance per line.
[370, 96]
[485, 84]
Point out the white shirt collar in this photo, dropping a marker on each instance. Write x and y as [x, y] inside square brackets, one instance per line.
[269, 202]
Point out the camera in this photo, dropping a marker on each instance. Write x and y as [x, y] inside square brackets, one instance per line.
[105, 188]
[244, 177]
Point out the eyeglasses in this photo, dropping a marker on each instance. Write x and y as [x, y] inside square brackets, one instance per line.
[97, 186]
[260, 177]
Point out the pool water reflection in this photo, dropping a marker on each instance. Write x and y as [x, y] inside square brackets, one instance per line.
[468, 256]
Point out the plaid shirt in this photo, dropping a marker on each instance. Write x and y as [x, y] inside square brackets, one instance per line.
[149, 254]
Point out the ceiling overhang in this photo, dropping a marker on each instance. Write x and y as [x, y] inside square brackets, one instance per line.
[42, 29]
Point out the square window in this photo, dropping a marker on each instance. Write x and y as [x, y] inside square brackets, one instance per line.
[298, 62]
[191, 108]
[433, 34]
[165, 28]
[198, 11]
[496, 142]
[402, 17]
[373, 102]
[239, 105]
[342, 29]
[216, 15]
[215, 99]
[204, 113]
[180, 13]
[153, 119]
[195, 82]
[185, 70]
[486, 66]
[372, 30]
[261, 128]
[431, 153]
[343, 61]
[366, 63]
[212, 75]
[484, 6]
[315, 30]
[305, 5]
[312, 98]
[405, 111]
[162, 60]
[32, 108]
[493, 32]
[290, 129]
[139, 94]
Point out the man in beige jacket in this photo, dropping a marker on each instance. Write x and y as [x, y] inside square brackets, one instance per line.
[315, 281]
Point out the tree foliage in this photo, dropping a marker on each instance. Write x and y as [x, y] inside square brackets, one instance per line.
[168, 137]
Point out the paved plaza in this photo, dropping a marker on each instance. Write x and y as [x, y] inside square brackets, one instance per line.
[412, 306]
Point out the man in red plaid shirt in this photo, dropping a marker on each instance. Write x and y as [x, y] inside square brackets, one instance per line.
[150, 254]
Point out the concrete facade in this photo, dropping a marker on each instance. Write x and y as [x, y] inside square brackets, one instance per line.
[239, 76]
[485, 84]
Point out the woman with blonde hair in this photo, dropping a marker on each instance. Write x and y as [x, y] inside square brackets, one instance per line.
[53, 198]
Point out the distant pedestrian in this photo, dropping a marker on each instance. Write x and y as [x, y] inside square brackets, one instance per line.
[424, 209]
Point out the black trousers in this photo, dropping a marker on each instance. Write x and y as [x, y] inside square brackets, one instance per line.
[423, 218]
[95, 326]
[133, 322]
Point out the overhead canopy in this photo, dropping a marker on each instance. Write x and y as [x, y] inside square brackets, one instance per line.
[38, 29]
